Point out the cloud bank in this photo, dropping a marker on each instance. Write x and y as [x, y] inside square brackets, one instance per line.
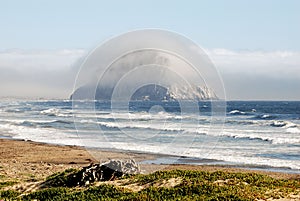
[39, 73]
[259, 75]
[246, 74]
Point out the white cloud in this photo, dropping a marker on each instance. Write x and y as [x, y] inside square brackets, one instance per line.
[257, 62]
[259, 74]
[35, 60]
[44, 73]
[246, 74]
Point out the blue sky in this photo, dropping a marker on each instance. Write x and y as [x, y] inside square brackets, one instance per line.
[232, 24]
[254, 44]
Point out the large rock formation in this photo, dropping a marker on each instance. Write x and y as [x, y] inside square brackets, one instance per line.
[149, 92]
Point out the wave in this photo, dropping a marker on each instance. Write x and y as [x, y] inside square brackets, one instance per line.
[16, 110]
[62, 124]
[289, 126]
[242, 122]
[184, 128]
[224, 156]
[47, 135]
[54, 136]
[267, 122]
[57, 137]
[265, 116]
[139, 126]
[56, 112]
[246, 133]
[241, 159]
[283, 124]
[273, 139]
[237, 112]
[141, 116]
[34, 121]
[254, 136]
[56, 124]
[293, 130]
[278, 124]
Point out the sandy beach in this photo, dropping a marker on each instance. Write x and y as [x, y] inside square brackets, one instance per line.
[27, 160]
[28, 163]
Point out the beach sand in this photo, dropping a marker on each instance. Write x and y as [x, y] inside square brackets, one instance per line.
[29, 163]
[27, 160]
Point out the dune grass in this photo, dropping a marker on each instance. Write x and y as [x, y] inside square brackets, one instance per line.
[191, 185]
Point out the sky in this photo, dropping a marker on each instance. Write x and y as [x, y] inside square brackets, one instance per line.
[254, 44]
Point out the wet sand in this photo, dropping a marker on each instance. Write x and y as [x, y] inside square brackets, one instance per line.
[26, 160]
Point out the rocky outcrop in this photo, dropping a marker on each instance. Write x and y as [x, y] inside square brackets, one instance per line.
[149, 92]
[108, 171]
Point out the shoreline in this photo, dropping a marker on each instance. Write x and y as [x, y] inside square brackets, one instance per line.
[27, 160]
[160, 159]
[37, 170]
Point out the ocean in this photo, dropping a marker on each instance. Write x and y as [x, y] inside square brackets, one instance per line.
[255, 134]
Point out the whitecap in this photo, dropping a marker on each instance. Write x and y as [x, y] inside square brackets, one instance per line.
[293, 130]
[56, 112]
[237, 112]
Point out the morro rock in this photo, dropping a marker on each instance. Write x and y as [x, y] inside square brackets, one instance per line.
[149, 92]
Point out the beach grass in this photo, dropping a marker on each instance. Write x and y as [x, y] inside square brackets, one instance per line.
[165, 185]
[45, 172]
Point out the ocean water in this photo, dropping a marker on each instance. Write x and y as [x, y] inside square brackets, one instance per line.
[255, 134]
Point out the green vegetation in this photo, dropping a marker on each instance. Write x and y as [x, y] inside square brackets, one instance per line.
[62, 179]
[7, 183]
[29, 177]
[189, 185]
[103, 192]
[9, 195]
